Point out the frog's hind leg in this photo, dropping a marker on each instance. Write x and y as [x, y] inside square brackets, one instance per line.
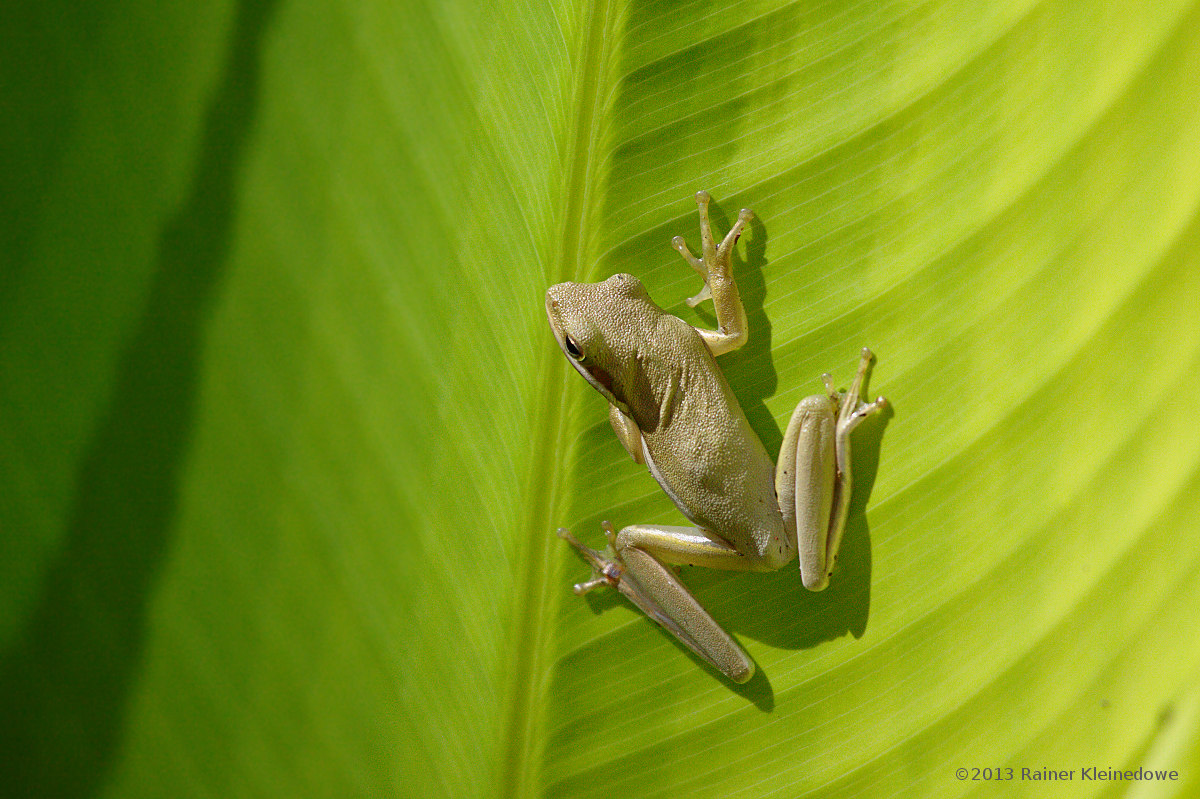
[805, 484]
[813, 479]
[850, 415]
[658, 592]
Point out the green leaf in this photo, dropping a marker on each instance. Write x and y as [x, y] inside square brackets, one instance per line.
[284, 436]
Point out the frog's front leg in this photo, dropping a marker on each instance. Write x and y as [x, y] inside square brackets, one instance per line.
[628, 433]
[629, 566]
[717, 270]
[813, 479]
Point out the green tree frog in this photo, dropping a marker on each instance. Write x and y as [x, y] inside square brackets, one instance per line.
[674, 412]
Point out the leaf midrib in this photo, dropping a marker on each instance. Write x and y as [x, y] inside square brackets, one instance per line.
[522, 751]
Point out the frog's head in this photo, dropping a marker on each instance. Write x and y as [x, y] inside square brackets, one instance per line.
[599, 327]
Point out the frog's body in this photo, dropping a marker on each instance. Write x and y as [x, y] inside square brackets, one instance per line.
[673, 410]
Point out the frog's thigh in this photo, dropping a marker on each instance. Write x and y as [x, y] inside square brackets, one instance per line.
[693, 546]
[805, 479]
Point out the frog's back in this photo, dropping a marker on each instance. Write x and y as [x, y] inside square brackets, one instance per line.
[703, 452]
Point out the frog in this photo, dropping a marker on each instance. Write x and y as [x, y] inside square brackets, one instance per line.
[674, 412]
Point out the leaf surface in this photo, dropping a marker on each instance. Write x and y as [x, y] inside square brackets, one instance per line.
[284, 435]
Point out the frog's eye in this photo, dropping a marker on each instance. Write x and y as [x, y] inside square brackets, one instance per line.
[573, 348]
